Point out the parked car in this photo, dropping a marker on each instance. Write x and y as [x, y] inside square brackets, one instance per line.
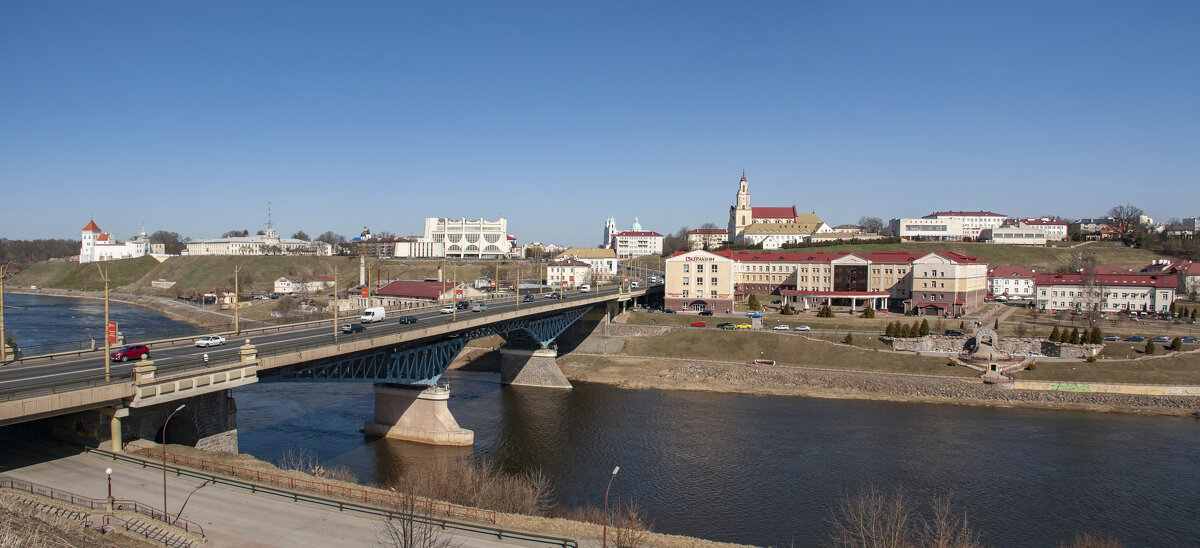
[954, 332]
[668, 311]
[353, 328]
[782, 327]
[1111, 338]
[744, 326]
[1161, 339]
[803, 328]
[211, 340]
[726, 325]
[706, 312]
[408, 319]
[130, 352]
[1135, 338]
[447, 309]
[699, 324]
[1188, 340]
[554, 295]
[527, 298]
[753, 314]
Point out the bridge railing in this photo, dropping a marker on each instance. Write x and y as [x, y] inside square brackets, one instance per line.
[99, 504]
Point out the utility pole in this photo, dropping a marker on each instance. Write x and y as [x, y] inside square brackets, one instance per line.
[3, 341]
[237, 329]
[107, 344]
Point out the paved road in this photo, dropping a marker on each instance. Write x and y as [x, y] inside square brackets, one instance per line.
[229, 516]
[88, 366]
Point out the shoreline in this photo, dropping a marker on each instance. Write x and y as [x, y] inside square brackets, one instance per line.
[738, 378]
[175, 311]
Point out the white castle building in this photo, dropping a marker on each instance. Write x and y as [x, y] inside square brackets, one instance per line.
[267, 243]
[101, 246]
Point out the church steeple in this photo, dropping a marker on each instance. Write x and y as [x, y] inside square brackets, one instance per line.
[741, 214]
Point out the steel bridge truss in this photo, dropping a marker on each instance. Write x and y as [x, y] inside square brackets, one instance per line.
[425, 364]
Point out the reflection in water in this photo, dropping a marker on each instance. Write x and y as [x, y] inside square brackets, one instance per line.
[766, 470]
[394, 457]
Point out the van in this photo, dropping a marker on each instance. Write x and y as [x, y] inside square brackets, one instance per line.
[373, 314]
[585, 288]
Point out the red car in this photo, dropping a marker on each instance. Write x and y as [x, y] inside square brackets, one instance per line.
[130, 352]
[699, 324]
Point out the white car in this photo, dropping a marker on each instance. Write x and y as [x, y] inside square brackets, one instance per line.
[782, 328]
[447, 310]
[211, 340]
[802, 328]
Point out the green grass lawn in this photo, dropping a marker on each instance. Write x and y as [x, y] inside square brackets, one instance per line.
[1042, 259]
[1176, 368]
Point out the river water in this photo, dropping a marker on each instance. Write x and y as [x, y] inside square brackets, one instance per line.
[64, 322]
[766, 470]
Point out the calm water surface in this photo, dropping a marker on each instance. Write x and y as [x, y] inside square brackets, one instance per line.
[750, 469]
[765, 470]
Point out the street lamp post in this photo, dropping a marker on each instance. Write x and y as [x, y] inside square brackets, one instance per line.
[236, 325]
[164, 455]
[604, 543]
[107, 343]
[335, 301]
[3, 341]
[108, 472]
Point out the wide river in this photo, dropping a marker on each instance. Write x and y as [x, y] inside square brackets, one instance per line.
[766, 470]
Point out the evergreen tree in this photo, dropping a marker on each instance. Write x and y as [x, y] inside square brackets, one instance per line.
[752, 303]
[903, 331]
[891, 330]
[1149, 348]
[997, 324]
[962, 326]
[1085, 337]
[1177, 344]
[869, 312]
[849, 339]
[1074, 336]
[1097, 336]
[1054, 334]
[924, 328]
[915, 329]
[1193, 314]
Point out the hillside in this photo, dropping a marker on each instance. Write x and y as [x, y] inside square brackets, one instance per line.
[194, 274]
[1041, 259]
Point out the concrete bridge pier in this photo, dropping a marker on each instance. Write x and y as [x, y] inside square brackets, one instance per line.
[531, 367]
[416, 413]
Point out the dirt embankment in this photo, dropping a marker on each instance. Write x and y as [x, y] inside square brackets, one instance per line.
[685, 374]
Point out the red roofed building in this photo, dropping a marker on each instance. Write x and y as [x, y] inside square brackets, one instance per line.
[98, 246]
[742, 215]
[409, 293]
[1089, 290]
[1187, 273]
[953, 283]
[636, 243]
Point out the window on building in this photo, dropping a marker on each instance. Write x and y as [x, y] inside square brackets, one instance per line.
[713, 281]
[699, 268]
[685, 280]
[686, 267]
[685, 293]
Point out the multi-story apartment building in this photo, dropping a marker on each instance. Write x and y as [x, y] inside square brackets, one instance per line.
[636, 243]
[1011, 281]
[568, 274]
[973, 222]
[267, 243]
[1055, 230]
[947, 284]
[707, 238]
[1091, 291]
[700, 280]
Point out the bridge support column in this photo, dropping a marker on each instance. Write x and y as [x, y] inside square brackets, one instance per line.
[416, 413]
[538, 367]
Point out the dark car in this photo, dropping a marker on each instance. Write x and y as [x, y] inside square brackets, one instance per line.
[1111, 338]
[353, 328]
[1161, 339]
[554, 295]
[706, 313]
[727, 325]
[527, 299]
[668, 311]
[462, 305]
[130, 352]
[408, 319]
[1135, 338]
[954, 332]
[1188, 340]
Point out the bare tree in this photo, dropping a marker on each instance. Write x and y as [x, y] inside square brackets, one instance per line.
[300, 235]
[1126, 218]
[235, 233]
[628, 525]
[1087, 540]
[410, 522]
[871, 225]
[872, 517]
[170, 240]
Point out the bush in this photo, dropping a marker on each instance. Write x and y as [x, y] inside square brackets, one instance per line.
[951, 363]
[849, 339]
[1032, 366]
[869, 312]
[787, 310]
[890, 331]
[1074, 338]
[1054, 334]
[825, 312]
[872, 517]
[1150, 348]
[1097, 336]
[924, 328]
[1091, 359]
[1177, 344]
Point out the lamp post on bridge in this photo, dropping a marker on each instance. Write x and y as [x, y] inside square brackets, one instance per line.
[107, 339]
[3, 340]
[108, 472]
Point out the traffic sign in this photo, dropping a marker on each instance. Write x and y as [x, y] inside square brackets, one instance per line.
[366, 294]
[111, 332]
[458, 294]
[564, 284]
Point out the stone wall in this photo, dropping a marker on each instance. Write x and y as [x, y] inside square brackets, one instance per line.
[1017, 346]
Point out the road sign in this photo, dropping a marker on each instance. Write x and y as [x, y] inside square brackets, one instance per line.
[458, 294]
[111, 332]
[366, 294]
[564, 284]
[492, 283]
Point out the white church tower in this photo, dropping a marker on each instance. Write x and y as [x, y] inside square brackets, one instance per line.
[740, 215]
[87, 248]
[610, 232]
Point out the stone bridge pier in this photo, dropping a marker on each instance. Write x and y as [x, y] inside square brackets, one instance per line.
[522, 366]
[416, 413]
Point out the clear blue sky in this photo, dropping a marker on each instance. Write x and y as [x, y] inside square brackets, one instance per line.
[190, 116]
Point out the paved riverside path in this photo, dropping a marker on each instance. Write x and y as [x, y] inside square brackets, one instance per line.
[229, 516]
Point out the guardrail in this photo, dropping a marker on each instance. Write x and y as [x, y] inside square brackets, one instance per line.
[181, 365]
[384, 500]
[94, 504]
